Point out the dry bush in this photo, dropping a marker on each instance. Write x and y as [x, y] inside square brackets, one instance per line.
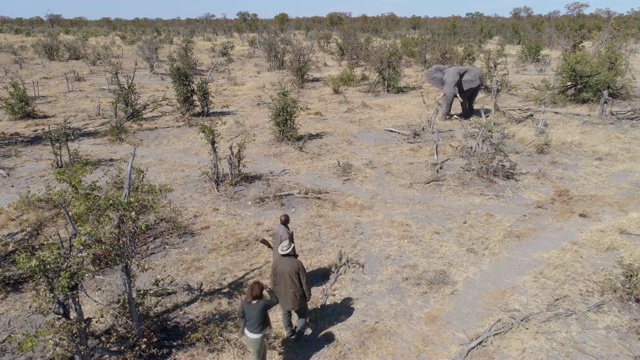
[149, 50]
[75, 49]
[486, 153]
[49, 46]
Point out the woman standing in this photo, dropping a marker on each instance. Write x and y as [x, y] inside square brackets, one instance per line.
[254, 316]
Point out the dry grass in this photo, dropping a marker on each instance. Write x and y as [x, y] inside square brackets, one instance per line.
[425, 247]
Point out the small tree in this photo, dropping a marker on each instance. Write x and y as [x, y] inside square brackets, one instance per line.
[212, 136]
[60, 266]
[496, 74]
[284, 111]
[235, 160]
[276, 47]
[184, 57]
[300, 62]
[18, 105]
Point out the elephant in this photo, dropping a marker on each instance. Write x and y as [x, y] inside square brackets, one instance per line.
[461, 81]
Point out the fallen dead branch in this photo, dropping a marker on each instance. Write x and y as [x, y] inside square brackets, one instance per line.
[342, 264]
[296, 193]
[401, 132]
[494, 330]
[631, 114]
[530, 109]
[568, 313]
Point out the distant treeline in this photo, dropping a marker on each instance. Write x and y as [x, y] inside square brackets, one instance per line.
[553, 30]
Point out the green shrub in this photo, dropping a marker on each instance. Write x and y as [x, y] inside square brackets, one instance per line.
[284, 111]
[386, 62]
[184, 56]
[183, 85]
[18, 105]
[583, 75]
[224, 50]
[203, 95]
[468, 54]
[409, 46]
[347, 77]
[531, 52]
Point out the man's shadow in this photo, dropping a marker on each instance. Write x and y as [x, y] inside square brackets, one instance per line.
[320, 319]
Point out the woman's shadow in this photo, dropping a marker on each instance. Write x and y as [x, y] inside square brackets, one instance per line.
[320, 319]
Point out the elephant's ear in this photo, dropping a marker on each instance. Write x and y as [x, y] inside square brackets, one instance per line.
[435, 76]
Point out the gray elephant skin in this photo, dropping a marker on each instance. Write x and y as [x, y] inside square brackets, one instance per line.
[463, 80]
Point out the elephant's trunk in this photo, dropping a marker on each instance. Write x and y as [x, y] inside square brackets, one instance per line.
[449, 95]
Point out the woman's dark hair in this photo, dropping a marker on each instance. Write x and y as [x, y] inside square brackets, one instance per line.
[254, 292]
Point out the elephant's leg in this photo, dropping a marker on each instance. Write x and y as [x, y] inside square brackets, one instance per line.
[464, 104]
[472, 99]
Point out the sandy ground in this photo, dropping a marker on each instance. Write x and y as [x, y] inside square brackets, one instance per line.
[442, 261]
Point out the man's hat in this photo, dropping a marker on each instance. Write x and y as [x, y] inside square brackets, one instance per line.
[285, 247]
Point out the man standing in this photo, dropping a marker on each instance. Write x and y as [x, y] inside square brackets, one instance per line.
[280, 234]
[289, 281]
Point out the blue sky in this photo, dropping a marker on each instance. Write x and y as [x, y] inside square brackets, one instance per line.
[95, 9]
